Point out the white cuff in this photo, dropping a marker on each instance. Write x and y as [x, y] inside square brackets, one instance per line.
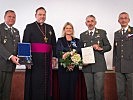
[54, 58]
[10, 57]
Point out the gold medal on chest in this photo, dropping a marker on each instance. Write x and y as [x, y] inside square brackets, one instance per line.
[45, 39]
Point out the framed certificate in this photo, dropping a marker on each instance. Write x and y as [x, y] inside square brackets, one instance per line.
[24, 54]
[88, 55]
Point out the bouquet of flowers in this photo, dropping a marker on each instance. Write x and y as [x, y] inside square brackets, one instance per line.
[70, 60]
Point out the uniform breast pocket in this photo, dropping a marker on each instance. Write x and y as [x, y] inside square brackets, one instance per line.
[129, 42]
[84, 44]
[117, 42]
[17, 38]
[4, 39]
[129, 38]
[98, 41]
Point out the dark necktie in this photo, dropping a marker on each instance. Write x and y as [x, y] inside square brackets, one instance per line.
[123, 31]
[11, 31]
[91, 33]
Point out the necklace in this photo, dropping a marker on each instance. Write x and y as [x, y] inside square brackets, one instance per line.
[44, 33]
[69, 40]
[69, 45]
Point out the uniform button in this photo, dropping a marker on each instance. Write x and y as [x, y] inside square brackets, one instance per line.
[122, 40]
[121, 56]
[122, 45]
[91, 41]
[121, 50]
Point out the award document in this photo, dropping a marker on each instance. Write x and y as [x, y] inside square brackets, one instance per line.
[88, 55]
[24, 53]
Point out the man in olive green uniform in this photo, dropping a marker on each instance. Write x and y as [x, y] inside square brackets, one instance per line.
[94, 73]
[9, 37]
[123, 58]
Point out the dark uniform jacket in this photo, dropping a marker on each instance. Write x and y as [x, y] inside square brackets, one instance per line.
[123, 51]
[8, 46]
[100, 38]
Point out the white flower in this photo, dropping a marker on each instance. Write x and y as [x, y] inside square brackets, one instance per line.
[76, 58]
[70, 60]
[74, 50]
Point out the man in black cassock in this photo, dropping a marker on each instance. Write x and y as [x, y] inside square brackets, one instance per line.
[38, 77]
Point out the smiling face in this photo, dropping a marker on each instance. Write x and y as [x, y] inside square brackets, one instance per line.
[90, 22]
[10, 18]
[40, 16]
[124, 19]
[68, 29]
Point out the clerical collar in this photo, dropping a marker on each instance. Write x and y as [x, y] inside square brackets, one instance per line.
[39, 23]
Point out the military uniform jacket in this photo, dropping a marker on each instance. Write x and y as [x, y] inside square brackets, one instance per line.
[100, 38]
[8, 46]
[123, 51]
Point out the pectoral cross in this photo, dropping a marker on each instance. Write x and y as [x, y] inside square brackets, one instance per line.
[45, 39]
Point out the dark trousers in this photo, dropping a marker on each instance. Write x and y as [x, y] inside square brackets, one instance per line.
[95, 85]
[5, 85]
[124, 86]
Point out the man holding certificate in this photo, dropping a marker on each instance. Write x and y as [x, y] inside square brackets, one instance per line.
[94, 44]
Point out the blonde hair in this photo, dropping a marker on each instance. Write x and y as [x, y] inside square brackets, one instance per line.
[63, 32]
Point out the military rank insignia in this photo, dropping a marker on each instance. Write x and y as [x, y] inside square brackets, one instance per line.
[5, 40]
[50, 32]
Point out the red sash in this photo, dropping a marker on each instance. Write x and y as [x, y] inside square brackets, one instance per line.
[41, 47]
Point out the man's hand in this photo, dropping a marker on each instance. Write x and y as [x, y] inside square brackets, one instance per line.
[97, 47]
[15, 60]
[54, 62]
[28, 66]
[70, 67]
